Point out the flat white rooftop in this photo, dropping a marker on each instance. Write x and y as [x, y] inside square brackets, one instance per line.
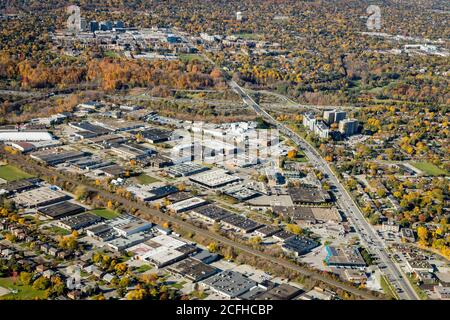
[186, 204]
[168, 241]
[214, 178]
[25, 136]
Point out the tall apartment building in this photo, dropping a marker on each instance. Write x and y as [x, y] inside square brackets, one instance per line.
[332, 116]
[348, 127]
[322, 130]
[309, 121]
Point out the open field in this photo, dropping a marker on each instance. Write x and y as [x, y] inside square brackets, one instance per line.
[58, 231]
[145, 179]
[301, 156]
[11, 173]
[430, 168]
[250, 36]
[105, 213]
[23, 292]
[143, 268]
[187, 57]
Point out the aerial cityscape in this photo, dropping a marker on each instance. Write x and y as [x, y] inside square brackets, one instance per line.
[224, 150]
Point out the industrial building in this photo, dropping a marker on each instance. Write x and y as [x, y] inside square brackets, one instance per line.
[39, 197]
[267, 231]
[106, 141]
[61, 210]
[240, 223]
[88, 130]
[130, 225]
[308, 195]
[156, 135]
[283, 235]
[192, 269]
[25, 136]
[78, 221]
[148, 193]
[213, 179]
[241, 193]
[130, 151]
[18, 186]
[282, 292]
[186, 205]
[298, 245]
[211, 213]
[55, 157]
[185, 169]
[161, 251]
[159, 161]
[89, 163]
[229, 283]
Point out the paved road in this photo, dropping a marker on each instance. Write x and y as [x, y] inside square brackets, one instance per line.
[149, 213]
[368, 235]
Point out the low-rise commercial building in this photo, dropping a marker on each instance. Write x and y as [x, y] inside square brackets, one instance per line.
[344, 257]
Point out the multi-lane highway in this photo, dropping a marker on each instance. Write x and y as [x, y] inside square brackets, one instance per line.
[368, 235]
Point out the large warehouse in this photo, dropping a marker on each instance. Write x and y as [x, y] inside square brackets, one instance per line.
[14, 135]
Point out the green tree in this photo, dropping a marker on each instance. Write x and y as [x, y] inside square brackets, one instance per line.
[25, 278]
